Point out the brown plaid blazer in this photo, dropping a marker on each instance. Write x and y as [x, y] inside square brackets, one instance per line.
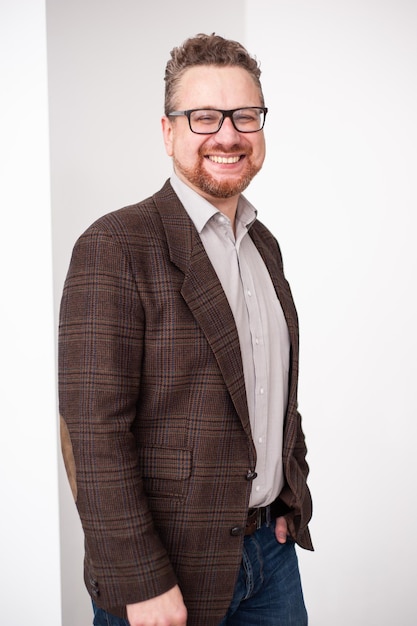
[155, 428]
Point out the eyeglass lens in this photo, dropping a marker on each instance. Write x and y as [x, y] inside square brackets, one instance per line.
[247, 120]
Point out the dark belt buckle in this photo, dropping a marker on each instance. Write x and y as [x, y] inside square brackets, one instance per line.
[256, 518]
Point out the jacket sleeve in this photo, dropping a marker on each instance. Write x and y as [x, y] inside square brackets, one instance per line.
[100, 354]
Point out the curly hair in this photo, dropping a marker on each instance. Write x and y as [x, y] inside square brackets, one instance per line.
[206, 50]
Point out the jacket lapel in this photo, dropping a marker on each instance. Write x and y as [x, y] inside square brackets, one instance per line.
[270, 254]
[204, 296]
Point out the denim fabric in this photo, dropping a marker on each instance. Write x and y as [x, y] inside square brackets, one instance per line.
[102, 618]
[268, 590]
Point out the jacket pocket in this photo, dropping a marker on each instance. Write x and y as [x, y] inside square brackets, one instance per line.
[165, 471]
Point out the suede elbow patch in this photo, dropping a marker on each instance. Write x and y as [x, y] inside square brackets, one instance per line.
[67, 453]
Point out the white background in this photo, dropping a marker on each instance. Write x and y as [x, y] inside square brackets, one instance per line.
[29, 523]
[339, 191]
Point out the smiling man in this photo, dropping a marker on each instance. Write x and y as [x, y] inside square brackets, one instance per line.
[178, 377]
[226, 149]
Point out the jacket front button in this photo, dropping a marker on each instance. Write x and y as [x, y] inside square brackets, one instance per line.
[236, 531]
[251, 475]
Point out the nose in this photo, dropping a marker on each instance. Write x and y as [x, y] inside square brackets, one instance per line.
[227, 134]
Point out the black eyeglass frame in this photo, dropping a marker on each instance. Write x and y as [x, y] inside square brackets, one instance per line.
[225, 113]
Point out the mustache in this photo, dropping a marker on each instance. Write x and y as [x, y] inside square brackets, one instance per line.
[235, 150]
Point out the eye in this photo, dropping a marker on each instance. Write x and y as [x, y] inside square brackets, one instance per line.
[205, 117]
[246, 117]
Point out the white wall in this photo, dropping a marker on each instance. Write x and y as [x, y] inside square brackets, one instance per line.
[29, 522]
[339, 190]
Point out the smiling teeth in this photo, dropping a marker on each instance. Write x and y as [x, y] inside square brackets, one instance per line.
[219, 159]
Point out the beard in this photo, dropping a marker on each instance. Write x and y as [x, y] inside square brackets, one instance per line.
[200, 178]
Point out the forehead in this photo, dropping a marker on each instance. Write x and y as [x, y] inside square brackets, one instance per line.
[217, 87]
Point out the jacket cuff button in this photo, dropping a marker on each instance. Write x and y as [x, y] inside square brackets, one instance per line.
[236, 531]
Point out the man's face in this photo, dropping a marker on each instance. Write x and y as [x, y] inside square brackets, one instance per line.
[199, 160]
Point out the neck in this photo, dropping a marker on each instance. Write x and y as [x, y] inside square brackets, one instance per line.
[228, 206]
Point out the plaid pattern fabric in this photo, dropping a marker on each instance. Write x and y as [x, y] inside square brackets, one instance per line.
[155, 427]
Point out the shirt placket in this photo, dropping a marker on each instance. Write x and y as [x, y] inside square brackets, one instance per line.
[260, 410]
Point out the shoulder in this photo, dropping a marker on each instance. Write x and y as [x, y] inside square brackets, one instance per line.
[145, 234]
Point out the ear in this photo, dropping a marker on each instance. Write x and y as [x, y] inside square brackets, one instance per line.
[167, 132]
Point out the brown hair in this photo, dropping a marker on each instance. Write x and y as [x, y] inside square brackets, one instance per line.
[206, 50]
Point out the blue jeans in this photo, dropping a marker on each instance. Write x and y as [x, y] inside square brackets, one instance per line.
[268, 590]
[102, 618]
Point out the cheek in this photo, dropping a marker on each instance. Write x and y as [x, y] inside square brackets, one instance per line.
[259, 153]
[260, 149]
[187, 150]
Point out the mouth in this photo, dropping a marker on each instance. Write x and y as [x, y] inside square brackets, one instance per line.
[224, 160]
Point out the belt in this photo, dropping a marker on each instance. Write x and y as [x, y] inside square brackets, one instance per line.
[256, 518]
[264, 515]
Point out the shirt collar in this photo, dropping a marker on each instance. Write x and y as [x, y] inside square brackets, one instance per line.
[201, 210]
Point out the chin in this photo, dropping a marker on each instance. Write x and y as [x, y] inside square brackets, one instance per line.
[225, 189]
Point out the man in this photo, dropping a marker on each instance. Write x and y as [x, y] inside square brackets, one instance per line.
[178, 377]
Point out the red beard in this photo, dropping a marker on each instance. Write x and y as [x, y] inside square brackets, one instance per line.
[200, 178]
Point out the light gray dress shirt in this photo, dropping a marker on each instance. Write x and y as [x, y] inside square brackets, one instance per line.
[261, 326]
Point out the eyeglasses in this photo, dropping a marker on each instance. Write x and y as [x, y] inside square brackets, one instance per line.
[209, 121]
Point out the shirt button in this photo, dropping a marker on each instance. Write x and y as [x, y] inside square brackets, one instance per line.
[251, 475]
[257, 488]
[260, 440]
[257, 341]
[261, 391]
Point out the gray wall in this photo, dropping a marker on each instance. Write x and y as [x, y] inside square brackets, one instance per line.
[106, 66]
